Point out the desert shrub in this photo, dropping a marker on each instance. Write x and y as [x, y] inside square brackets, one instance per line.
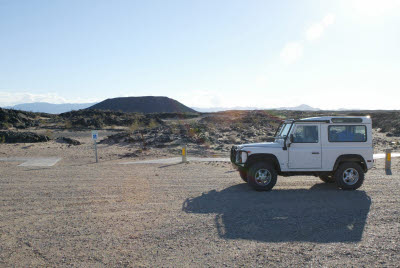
[175, 129]
[68, 124]
[6, 125]
[137, 126]
[232, 139]
[194, 131]
[49, 133]
[152, 124]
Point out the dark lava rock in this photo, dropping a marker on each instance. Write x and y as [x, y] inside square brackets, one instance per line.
[121, 137]
[22, 137]
[69, 141]
[88, 122]
[98, 119]
[12, 118]
[163, 138]
[249, 134]
[128, 155]
[159, 141]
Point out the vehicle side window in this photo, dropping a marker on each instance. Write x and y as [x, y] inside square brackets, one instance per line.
[347, 133]
[305, 134]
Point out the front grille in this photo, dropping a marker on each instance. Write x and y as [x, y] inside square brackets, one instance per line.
[233, 154]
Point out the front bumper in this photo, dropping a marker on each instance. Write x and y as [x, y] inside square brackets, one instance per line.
[235, 158]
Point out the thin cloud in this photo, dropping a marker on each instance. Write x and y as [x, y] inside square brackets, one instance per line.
[375, 8]
[316, 30]
[291, 52]
[201, 98]
[10, 99]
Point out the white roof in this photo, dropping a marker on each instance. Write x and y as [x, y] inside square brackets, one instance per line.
[365, 119]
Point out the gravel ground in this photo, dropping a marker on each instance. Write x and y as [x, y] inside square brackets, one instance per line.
[78, 213]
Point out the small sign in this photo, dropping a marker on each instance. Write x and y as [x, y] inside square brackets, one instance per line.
[95, 135]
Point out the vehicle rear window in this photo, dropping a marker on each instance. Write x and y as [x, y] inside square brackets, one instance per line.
[347, 133]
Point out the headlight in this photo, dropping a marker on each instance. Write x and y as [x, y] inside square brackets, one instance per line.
[241, 157]
[244, 157]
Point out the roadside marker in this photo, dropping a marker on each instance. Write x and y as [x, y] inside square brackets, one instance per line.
[184, 160]
[95, 136]
[388, 161]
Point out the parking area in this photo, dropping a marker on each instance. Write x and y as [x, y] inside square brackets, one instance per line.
[78, 213]
[32, 161]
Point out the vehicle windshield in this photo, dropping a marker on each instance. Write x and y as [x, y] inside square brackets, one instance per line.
[283, 131]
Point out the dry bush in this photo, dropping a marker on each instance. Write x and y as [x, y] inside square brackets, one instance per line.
[49, 133]
[137, 126]
[152, 124]
[67, 124]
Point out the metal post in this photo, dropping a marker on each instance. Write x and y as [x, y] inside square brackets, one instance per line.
[95, 150]
[184, 159]
[388, 162]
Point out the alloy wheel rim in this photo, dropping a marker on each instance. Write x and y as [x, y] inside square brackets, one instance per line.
[350, 176]
[263, 177]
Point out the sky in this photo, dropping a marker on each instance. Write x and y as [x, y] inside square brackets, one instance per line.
[225, 53]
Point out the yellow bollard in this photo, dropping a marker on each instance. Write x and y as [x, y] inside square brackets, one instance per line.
[388, 162]
[184, 160]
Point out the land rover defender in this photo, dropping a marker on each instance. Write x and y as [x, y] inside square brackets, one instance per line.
[336, 149]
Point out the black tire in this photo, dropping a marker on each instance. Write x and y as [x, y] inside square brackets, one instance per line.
[266, 169]
[243, 175]
[327, 178]
[342, 180]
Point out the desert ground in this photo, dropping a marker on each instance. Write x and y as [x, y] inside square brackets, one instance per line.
[82, 213]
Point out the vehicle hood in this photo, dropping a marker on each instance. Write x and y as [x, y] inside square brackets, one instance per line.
[261, 144]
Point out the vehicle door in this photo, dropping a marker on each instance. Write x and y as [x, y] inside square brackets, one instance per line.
[305, 149]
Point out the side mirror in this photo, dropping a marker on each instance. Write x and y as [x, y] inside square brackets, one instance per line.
[289, 140]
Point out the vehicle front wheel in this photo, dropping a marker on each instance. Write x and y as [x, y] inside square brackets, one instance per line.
[349, 176]
[327, 178]
[262, 176]
[243, 175]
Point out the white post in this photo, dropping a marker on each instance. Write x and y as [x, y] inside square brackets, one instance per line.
[95, 136]
[95, 150]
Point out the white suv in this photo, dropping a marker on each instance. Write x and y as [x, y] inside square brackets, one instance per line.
[336, 149]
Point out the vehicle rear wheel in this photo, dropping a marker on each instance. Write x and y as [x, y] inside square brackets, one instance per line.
[262, 176]
[243, 175]
[327, 178]
[349, 176]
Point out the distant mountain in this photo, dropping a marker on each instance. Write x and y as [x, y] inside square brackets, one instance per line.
[148, 104]
[302, 107]
[50, 108]
[220, 109]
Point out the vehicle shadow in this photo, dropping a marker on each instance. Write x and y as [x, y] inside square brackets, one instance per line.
[320, 214]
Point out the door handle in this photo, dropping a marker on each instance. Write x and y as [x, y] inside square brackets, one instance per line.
[315, 152]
